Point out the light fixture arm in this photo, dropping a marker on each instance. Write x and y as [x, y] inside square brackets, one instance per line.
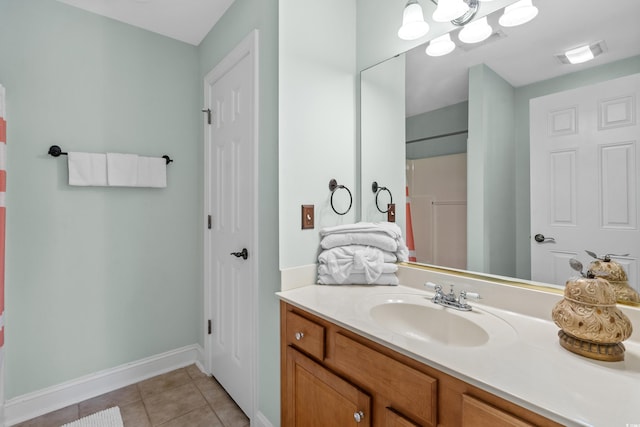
[468, 16]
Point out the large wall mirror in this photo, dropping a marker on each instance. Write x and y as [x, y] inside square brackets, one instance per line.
[465, 131]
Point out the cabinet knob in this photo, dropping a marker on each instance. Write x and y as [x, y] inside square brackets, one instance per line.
[299, 335]
[358, 416]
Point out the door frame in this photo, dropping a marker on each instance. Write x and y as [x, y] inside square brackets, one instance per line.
[247, 47]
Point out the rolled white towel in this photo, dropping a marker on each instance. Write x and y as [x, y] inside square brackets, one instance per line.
[359, 279]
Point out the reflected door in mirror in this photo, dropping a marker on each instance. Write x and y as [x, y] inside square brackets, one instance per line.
[584, 189]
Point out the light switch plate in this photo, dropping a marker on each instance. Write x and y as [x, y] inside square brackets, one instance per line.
[391, 212]
[307, 217]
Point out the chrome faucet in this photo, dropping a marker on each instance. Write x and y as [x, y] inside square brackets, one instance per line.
[450, 299]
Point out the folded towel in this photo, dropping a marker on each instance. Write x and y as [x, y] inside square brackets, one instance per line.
[122, 169]
[378, 240]
[87, 169]
[359, 279]
[390, 228]
[152, 172]
[385, 268]
[384, 235]
[346, 253]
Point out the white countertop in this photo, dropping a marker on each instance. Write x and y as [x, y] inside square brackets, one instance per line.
[531, 370]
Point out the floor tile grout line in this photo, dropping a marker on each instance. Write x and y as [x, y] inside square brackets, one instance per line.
[144, 405]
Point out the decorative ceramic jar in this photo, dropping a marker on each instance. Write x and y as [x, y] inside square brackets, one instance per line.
[591, 324]
[616, 276]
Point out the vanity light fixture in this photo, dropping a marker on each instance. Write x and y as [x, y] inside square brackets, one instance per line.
[518, 13]
[448, 10]
[413, 24]
[440, 46]
[582, 53]
[476, 31]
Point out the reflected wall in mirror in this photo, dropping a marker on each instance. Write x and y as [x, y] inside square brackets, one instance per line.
[473, 104]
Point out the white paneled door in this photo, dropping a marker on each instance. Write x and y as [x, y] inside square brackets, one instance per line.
[230, 243]
[584, 178]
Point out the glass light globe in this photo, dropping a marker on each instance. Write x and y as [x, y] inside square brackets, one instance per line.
[440, 46]
[476, 31]
[413, 23]
[518, 13]
[448, 10]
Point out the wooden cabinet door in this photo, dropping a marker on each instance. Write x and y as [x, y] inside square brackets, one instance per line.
[316, 397]
[476, 413]
[394, 419]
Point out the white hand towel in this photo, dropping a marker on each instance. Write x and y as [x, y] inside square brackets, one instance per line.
[359, 279]
[152, 172]
[390, 228]
[385, 268]
[378, 240]
[87, 169]
[345, 253]
[122, 169]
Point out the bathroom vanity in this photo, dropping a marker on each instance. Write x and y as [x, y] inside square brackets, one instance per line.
[388, 356]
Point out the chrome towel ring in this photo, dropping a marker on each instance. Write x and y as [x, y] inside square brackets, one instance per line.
[377, 190]
[333, 186]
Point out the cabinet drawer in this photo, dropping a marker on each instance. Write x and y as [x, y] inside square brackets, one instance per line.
[476, 413]
[304, 334]
[412, 392]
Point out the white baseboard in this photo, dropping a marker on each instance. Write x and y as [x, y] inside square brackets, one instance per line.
[52, 398]
[261, 421]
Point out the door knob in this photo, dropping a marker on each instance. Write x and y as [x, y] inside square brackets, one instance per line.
[358, 416]
[541, 239]
[244, 254]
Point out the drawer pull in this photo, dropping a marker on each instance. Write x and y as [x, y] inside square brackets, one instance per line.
[358, 416]
[299, 335]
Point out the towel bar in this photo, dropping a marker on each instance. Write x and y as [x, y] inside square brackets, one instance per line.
[56, 151]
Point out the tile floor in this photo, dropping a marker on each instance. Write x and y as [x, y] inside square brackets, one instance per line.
[182, 398]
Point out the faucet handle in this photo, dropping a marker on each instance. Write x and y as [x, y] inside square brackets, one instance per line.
[433, 286]
[473, 295]
[464, 295]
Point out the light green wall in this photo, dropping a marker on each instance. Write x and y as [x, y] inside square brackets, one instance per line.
[317, 116]
[382, 91]
[446, 120]
[490, 174]
[96, 277]
[241, 18]
[522, 96]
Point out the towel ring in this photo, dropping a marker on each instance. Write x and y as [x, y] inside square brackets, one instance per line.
[333, 186]
[377, 190]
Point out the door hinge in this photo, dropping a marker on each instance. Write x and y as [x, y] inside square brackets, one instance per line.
[209, 222]
[209, 326]
[208, 111]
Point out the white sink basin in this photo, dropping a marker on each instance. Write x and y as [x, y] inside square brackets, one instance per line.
[415, 317]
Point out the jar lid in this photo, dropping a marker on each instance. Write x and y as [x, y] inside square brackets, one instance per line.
[590, 291]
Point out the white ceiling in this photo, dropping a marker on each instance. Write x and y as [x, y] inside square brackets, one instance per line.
[185, 20]
[526, 54]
